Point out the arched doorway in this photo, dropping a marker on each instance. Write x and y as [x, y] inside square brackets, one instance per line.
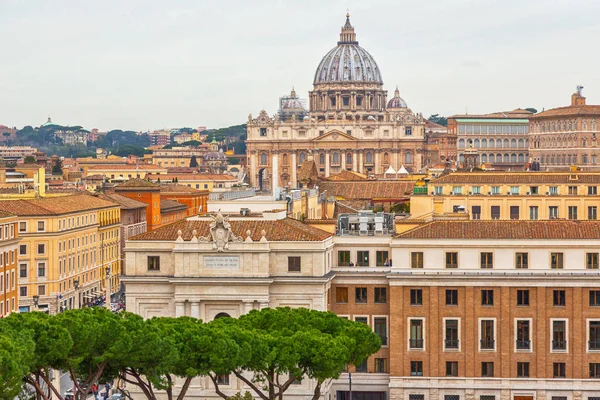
[222, 315]
[261, 174]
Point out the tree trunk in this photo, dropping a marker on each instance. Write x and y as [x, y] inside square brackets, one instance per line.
[317, 393]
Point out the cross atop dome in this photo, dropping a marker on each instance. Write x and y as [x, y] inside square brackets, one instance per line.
[347, 36]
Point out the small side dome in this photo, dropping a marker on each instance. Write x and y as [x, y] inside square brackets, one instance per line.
[396, 101]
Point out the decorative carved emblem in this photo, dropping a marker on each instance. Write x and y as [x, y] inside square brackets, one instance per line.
[221, 234]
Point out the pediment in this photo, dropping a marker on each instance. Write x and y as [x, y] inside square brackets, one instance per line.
[335, 136]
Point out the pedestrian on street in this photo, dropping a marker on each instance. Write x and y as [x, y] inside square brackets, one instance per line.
[95, 391]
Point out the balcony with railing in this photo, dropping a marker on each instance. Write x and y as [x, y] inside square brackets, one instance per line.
[523, 344]
[559, 345]
[452, 343]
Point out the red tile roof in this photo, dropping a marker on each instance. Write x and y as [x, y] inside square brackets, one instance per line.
[347, 176]
[283, 230]
[504, 178]
[131, 167]
[55, 205]
[509, 229]
[573, 111]
[367, 190]
[192, 177]
[125, 202]
[518, 113]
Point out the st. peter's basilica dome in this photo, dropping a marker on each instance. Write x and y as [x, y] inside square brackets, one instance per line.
[348, 62]
[396, 101]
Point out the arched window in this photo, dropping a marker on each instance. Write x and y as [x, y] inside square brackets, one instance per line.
[506, 143]
[551, 159]
[513, 157]
[222, 315]
[302, 157]
[484, 143]
[484, 158]
[499, 143]
[386, 158]
[594, 125]
[513, 143]
[336, 158]
[584, 125]
[408, 158]
[461, 158]
[285, 159]
[492, 143]
[506, 158]
[348, 159]
[322, 159]
[263, 158]
[369, 157]
[476, 143]
[492, 158]
[569, 159]
[461, 143]
[521, 158]
[584, 159]
[527, 143]
[521, 143]
[564, 159]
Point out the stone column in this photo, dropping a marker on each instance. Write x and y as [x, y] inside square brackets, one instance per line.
[360, 162]
[294, 170]
[179, 309]
[253, 171]
[377, 167]
[275, 174]
[195, 309]
[355, 161]
[264, 304]
[343, 160]
[248, 305]
[327, 163]
[395, 159]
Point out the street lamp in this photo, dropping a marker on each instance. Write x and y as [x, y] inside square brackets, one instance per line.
[76, 286]
[108, 287]
[36, 301]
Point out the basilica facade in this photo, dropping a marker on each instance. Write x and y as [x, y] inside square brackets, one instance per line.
[349, 125]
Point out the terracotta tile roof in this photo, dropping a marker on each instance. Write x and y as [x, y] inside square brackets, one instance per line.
[508, 229]
[496, 178]
[96, 177]
[347, 176]
[167, 206]
[137, 183]
[308, 171]
[177, 188]
[433, 125]
[367, 190]
[192, 177]
[518, 113]
[55, 205]
[125, 202]
[132, 167]
[283, 230]
[6, 214]
[574, 111]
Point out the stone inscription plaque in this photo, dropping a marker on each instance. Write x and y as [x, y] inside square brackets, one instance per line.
[222, 262]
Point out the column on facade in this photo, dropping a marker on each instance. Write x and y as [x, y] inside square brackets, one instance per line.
[327, 163]
[377, 168]
[264, 304]
[343, 160]
[361, 166]
[294, 170]
[195, 309]
[275, 173]
[248, 306]
[179, 308]
[253, 171]
[395, 159]
[355, 161]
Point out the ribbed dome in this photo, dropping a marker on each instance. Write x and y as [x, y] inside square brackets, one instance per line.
[396, 101]
[348, 62]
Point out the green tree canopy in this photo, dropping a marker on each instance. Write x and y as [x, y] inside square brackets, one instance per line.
[437, 119]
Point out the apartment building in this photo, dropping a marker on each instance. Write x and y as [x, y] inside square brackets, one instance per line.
[66, 245]
[510, 195]
[9, 288]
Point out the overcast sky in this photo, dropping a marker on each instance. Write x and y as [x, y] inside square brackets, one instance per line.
[141, 64]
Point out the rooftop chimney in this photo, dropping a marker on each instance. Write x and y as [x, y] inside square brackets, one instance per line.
[577, 98]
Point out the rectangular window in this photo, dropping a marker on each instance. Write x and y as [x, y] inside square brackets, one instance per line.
[341, 295]
[553, 190]
[41, 226]
[362, 367]
[382, 259]
[22, 226]
[223, 379]
[553, 212]
[559, 335]
[522, 297]
[594, 370]
[416, 369]
[559, 370]
[451, 297]
[41, 248]
[416, 259]
[594, 332]
[522, 260]
[362, 258]
[22, 270]
[495, 190]
[294, 264]
[523, 335]
[381, 365]
[487, 297]
[416, 297]
[487, 260]
[559, 298]
[495, 211]
[451, 340]
[594, 298]
[451, 368]
[360, 295]
[41, 290]
[438, 190]
[514, 212]
[476, 212]
[380, 328]
[344, 258]
[380, 295]
[457, 189]
[534, 190]
[153, 263]
[23, 291]
[488, 339]
[487, 370]
[514, 190]
[592, 212]
[572, 190]
[522, 370]
[416, 334]
[41, 269]
[572, 212]
[23, 249]
[451, 259]
[362, 320]
[592, 189]
[476, 189]
[534, 212]
[263, 131]
[556, 260]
